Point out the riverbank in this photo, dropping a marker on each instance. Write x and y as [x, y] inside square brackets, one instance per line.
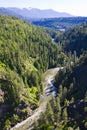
[28, 123]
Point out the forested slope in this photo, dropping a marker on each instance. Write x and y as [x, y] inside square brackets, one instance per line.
[68, 111]
[74, 39]
[26, 52]
[72, 85]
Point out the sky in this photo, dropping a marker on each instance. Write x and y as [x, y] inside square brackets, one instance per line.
[74, 7]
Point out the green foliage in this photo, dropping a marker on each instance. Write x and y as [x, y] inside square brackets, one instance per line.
[69, 109]
[73, 80]
[11, 85]
[7, 125]
[64, 114]
[14, 119]
[26, 52]
[72, 87]
[74, 39]
[19, 41]
[45, 127]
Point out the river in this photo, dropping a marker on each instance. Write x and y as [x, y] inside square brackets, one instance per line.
[48, 90]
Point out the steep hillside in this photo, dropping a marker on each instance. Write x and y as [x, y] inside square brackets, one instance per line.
[74, 39]
[68, 111]
[26, 52]
[72, 85]
[76, 77]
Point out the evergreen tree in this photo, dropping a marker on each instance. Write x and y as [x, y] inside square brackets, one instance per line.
[64, 114]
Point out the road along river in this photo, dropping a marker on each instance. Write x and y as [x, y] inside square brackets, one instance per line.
[48, 90]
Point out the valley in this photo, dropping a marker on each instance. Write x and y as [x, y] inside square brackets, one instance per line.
[29, 122]
[43, 74]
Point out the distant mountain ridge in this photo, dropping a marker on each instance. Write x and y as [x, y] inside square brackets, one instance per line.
[33, 13]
